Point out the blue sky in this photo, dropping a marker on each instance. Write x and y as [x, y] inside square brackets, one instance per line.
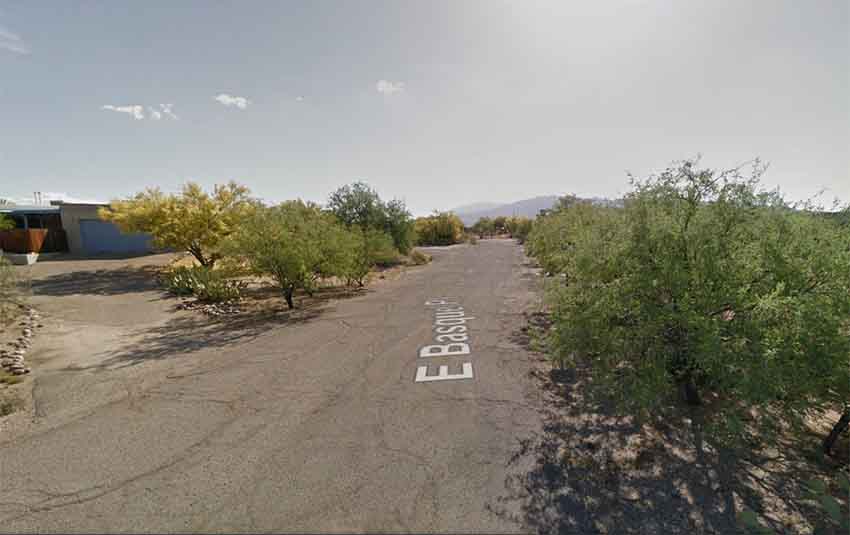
[440, 103]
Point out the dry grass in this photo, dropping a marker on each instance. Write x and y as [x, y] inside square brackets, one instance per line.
[9, 403]
[7, 378]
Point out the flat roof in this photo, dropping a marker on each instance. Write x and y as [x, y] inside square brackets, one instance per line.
[28, 209]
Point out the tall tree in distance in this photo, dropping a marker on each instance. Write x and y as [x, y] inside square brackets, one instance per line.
[358, 205]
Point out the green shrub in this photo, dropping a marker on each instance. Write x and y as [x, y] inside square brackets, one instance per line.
[832, 519]
[380, 250]
[295, 244]
[519, 227]
[205, 283]
[703, 287]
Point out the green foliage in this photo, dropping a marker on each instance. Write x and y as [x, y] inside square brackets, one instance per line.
[441, 228]
[359, 206]
[707, 287]
[6, 222]
[484, 227]
[519, 228]
[832, 521]
[193, 221]
[552, 238]
[399, 225]
[362, 251]
[380, 250]
[205, 283]
[293, 243]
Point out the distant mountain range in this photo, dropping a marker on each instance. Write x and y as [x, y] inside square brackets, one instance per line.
[471, 213]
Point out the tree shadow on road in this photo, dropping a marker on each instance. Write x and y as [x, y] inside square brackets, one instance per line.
[99, 282]
[193, 331]
[591, 471]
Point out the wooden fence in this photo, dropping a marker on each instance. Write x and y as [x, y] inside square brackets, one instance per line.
[33, 241]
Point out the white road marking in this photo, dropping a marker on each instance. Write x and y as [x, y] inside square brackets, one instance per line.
[444, 350]
[449, 324]
[443, 374]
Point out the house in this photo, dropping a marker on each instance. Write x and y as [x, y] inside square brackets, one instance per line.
[38, 229]
[89, 235]
[65, 227]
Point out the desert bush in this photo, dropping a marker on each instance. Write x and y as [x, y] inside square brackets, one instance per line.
[203, 282]
[441, 228]
[484, 227]
[519, 228]
[418, 258]
[552, 239]
[365, 249]
[707, 288]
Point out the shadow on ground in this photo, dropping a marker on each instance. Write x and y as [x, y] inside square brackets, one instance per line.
[590, 471]
[100, 282]
[262, 310]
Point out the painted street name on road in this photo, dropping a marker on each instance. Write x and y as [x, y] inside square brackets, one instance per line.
[451, 334]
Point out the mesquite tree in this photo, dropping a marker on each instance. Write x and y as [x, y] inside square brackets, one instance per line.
[706, 287]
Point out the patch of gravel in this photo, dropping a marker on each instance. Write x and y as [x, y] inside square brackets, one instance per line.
[226, 308]
[12, 357]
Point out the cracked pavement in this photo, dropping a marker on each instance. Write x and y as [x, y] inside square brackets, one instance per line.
[315, 426]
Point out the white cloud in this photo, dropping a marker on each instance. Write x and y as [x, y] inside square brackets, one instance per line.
[136, 111]
[299, 99]
[165, 109]
[12, 42]
[386, 87]
[230, 100]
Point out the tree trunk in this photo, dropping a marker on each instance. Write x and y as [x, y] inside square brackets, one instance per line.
[287, 294]
[199, 256]
[840, 426]
[689, 391]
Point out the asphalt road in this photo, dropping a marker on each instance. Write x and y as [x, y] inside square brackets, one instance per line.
[314, 427]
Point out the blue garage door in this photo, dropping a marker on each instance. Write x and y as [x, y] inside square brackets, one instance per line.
[101, 237]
